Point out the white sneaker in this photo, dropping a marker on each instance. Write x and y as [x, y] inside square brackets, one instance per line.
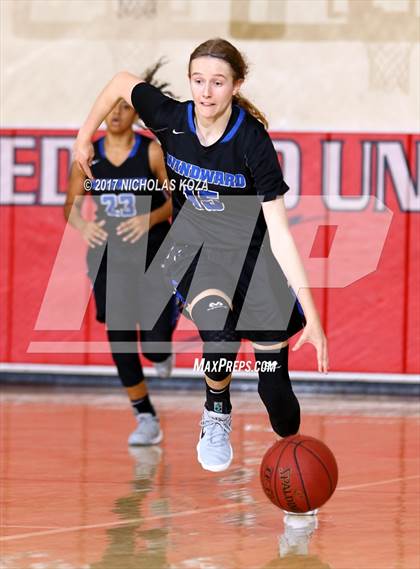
[164, 369]
[147, 431]
[214, 451]
[298, 530]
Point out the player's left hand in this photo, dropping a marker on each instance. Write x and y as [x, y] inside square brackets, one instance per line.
[314, 334]
[134, 228]
[83, 154]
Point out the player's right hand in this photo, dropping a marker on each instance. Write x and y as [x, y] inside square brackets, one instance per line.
[83, 153]
[93, 233]
[314, 334]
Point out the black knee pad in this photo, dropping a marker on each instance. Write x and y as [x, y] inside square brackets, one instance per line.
[129, 369]
[211, 313]
[275, 390]
[213, 317]
[153, 343]
[125, 355]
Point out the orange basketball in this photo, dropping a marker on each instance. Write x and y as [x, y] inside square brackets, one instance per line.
[299, 473]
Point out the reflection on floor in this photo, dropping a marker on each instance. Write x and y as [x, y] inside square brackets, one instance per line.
[76, 497]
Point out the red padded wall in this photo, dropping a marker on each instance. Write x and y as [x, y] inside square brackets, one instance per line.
[373, 324]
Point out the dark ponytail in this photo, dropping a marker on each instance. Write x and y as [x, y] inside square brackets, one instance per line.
[149, 76]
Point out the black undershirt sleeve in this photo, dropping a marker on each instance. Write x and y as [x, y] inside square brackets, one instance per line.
[264, 166]
[153, 107]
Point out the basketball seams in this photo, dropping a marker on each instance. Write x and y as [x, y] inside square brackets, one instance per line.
[276, 471]
[270, 451]
[321, 462]
[300, 474]
[290, 470]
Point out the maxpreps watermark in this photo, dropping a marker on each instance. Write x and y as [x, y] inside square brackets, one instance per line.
[201, 365]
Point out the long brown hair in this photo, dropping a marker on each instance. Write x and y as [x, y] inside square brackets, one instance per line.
[222, 49]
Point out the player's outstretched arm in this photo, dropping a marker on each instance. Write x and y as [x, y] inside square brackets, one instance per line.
[92, 232]
[120, 86]
[287, 255]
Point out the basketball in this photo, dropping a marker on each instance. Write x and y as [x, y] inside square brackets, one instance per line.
[299, 473]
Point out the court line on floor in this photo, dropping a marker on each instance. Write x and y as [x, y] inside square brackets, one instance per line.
[176, 514]
[28, 527]
[379, 482]
[120, 522]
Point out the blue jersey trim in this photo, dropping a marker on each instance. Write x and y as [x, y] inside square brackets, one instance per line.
[298, 305]
[190, 118]
[235, 127]
[177, 294]
[101, 147]
[232, 131]
[135, 147]
[134, 150]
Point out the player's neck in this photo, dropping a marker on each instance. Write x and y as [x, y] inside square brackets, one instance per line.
[209, 130]
[118, 146]
[121, 140]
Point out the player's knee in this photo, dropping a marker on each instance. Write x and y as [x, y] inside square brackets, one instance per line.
[153, 342]
[216, 326]
[211, 313]
[129, 368]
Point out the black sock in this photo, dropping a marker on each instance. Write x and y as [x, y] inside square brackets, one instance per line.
[143, 405]
[218, 400]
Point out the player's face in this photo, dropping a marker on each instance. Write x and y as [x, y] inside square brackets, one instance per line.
[121, 118]
[212, 86]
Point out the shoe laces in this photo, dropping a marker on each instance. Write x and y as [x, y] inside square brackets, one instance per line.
[217, 429]
[145, 421]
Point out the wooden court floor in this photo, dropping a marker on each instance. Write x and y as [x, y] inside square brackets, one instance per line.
[75, 497]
